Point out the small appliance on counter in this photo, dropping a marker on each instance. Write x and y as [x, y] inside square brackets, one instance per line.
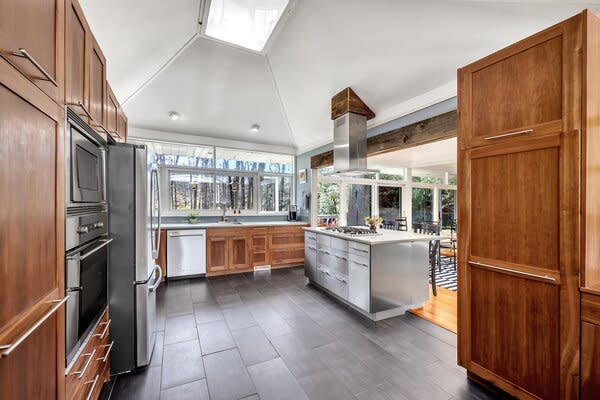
[134, 221]
[293, 213]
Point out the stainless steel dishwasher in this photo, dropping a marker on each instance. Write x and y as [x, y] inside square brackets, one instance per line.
[186, 253]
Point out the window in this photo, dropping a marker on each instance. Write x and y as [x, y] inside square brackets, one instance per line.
[448, 204]
[390, 203]
[243, 160]
[422, 205]
[275, 193]
[395, 174]
[234, 192]
[425, 176]
[204, 179]
[452, 179]
[328, 202]
[189, 191]
[359, 199]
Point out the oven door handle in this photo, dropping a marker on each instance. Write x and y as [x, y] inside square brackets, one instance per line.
[83, 256]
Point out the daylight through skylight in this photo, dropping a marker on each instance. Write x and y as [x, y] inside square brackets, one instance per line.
[246, 23]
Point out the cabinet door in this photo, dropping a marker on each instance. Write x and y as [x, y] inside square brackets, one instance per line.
[590, 361]
[77, 41]
[519, 91]
[32, 272]
[31, 38]
[260, 253]
[112, 113]
[359, 283]
[310, 260]
[122, 125]
[239, 253]
[97, 91]
[518, 295]
[217, 254]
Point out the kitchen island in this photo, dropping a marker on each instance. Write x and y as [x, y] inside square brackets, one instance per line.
[380, 275]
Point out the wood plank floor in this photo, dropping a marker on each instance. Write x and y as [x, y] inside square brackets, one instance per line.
[440, 309]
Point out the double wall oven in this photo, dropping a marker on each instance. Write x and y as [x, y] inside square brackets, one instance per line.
[86, 231]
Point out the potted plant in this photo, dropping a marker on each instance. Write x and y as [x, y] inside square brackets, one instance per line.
[373, 223]
[193, 218]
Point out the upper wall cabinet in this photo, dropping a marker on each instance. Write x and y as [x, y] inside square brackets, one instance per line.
[31, 39]
[97, 93]
[520, 94]
[122, 125]
[112, 112]
[77, 67]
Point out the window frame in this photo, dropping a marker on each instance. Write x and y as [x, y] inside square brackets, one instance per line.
[165, 170]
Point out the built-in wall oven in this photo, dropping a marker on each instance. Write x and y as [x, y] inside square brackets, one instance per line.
[86, 232]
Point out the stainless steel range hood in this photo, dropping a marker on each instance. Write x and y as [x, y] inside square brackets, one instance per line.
[350, 145]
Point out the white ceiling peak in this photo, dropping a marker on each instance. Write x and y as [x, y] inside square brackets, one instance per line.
[398, 55]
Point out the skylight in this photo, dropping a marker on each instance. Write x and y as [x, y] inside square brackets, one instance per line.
[246, 23]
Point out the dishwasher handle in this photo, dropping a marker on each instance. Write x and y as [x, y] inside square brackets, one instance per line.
[184, 234]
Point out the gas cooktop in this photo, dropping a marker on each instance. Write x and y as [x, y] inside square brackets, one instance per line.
[351, 230]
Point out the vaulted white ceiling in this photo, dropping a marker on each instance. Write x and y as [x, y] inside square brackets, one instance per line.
[399, 56]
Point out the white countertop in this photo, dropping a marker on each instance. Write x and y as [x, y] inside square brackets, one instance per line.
[206, 225]
[382, 237]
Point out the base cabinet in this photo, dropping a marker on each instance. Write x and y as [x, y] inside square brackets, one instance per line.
[590, 361]
[235, 250]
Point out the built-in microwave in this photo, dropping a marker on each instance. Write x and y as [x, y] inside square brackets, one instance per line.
[86, 162]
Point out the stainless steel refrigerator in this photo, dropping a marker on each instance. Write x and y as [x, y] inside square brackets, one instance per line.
[134, 224]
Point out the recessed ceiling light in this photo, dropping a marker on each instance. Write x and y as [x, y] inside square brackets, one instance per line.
[173, 115]
[255, 128]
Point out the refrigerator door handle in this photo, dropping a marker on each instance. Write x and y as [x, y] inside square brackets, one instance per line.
[156, 284]
[154, 182]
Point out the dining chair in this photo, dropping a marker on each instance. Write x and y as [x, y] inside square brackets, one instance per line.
[448, 247]
[432, 228]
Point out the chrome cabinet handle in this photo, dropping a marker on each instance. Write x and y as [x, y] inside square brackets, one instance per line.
[89, 253]
[94, 383]
[361, 264]
[106, 325]
[324, 252]
[361, 250]
[514, 271]
[87, 364]
[9, 348]
[311, 248]
[523, 132]
[340, 257]
[103, 359]
[25, 54]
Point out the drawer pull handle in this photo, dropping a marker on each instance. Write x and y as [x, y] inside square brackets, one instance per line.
[106, 325]
[341, 257]
[360, 264]
[361, 250]
[514, 271]
[103, 359]
[25, 54]
[325, 252]
[87, 364]
[9, 348]
[523, 132]
[93, 388]
[311, 248]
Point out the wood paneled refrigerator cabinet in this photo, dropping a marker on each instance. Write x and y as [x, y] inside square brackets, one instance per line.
[528, 153]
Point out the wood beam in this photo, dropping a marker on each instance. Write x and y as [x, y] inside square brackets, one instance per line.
[348, 101]
[430, 130]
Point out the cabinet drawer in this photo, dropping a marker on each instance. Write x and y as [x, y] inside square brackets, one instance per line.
[339, 285]
[339, 244]
[339, 262]
[310, 237]
[93, 357]
[359, 249]
[590, 308]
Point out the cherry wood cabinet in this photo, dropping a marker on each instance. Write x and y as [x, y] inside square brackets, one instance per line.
[217, 253]
[77, 49]
[590, 345]
[112, 112]
[97, 88]
[524, 114]
[32, 237]
[122, 125]
[234, 250]
[32, 39]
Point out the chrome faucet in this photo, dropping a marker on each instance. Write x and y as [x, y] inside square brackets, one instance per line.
[224, 218]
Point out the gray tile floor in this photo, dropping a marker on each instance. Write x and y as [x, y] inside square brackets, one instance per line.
[269, 335]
